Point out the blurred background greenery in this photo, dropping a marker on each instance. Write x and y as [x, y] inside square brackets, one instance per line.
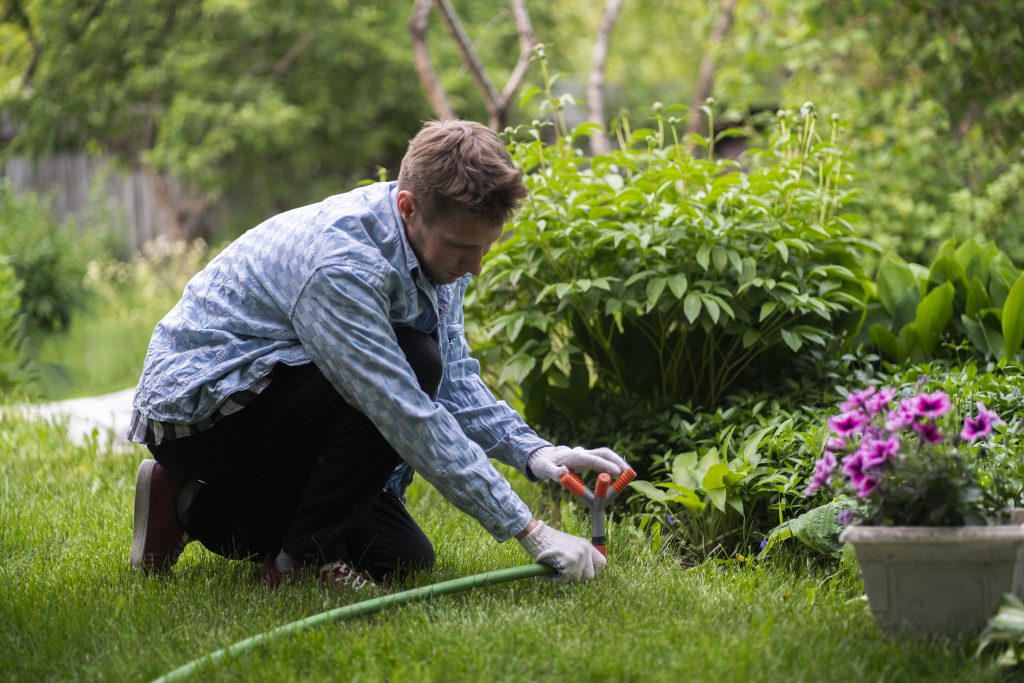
[228, 111]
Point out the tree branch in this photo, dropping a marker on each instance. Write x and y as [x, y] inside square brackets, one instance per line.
[706, 73]
[527, 41]
[600, 143]
[469, 57]
[285, 63]
[436, 94]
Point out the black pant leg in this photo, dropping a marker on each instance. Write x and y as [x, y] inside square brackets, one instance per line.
[388, 542]
[298, 466]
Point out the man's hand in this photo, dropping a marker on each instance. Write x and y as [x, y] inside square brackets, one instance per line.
[551, 462]
[574, 557]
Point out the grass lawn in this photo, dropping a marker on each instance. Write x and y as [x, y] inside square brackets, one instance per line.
[73, 610]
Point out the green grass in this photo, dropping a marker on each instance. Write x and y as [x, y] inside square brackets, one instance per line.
[73, 610]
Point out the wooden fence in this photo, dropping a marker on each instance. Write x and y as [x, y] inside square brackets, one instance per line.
[94, 191]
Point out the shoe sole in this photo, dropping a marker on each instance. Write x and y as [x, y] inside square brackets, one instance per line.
[141, 517]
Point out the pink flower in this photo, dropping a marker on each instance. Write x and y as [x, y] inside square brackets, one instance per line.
[929, 431]
[932, 405]
[848, 423]
[876, 453]
[835, 444]
[856, 400]
[822, 473]
[867, 486]
[901, 416]
[980, 426]
[880, 401]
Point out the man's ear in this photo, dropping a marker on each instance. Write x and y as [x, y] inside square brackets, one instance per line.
[405, 203]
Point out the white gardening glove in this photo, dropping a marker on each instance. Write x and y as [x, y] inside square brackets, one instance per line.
[551, 462]
[574, 557]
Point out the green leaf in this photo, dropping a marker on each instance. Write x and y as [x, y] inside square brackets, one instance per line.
[783, 250]
[684, 469]
[748, 451]
[719, 258]
[649, 490]
[1013, 319]
[678, 285]
[766, 310]
[933, 314]
[712, 308]
[750, 337]
[655, 287]
[715, 476]
[717, 497]
[736, 503]
[704, 256]
[792, 340]
[898, 289]
[691, 307]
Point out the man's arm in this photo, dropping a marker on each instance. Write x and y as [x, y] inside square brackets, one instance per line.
[499, 430]
[341, 318]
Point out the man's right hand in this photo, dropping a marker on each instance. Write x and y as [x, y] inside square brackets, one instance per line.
[574, 557]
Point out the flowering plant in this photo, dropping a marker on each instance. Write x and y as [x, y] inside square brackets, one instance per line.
[905, 460]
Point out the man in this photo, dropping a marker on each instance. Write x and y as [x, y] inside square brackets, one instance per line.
[319, 360]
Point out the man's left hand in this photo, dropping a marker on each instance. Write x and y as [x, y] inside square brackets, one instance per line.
[551, 462]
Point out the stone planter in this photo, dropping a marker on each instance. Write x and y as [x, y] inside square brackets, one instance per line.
[937, 580]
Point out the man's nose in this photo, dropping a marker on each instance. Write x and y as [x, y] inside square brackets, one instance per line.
[473, 262]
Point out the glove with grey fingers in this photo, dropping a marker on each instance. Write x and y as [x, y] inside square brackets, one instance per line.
[551, 462]
[574, 557]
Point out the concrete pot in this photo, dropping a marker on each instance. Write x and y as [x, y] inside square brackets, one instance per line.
[937, 580]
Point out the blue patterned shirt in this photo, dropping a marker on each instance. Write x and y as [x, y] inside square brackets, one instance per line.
[327, 283]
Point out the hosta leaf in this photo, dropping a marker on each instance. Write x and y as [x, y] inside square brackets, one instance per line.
[1013, 319]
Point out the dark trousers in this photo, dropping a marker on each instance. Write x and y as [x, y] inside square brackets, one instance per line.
[301, 469]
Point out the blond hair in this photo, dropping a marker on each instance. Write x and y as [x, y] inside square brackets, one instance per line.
[461, 167]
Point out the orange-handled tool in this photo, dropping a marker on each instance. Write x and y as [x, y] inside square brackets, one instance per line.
[602, 496]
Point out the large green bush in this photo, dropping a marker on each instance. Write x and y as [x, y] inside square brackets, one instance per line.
[652, 273]
[47, 258]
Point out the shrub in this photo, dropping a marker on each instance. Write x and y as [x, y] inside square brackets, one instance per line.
[648, 273]
[11, 363]
[971, 292]
[47, 258]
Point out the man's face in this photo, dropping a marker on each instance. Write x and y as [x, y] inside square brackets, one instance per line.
[448, 248]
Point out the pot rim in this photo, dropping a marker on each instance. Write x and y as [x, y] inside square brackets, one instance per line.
[932, 534]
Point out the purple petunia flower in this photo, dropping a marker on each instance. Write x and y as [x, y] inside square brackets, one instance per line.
[867, 486]
[856, 400]
[980, 426]
[848, 423]
[877, 452]
[880, 401]
[929, 432]
[845, 517]
[835, 444]
[823, 469]
[901, 416]
[932, 405]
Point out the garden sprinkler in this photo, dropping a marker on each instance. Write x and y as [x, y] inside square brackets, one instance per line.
[597, 500]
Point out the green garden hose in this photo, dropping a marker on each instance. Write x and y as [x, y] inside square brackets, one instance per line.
[359, 609]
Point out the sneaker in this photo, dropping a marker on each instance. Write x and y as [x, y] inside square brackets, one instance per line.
[339, 574]
[157, 537]
[332, 575]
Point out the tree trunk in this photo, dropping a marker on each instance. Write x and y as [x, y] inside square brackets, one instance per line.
[496, 103]
[600, 143]
[706, 73]
[436, 95]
